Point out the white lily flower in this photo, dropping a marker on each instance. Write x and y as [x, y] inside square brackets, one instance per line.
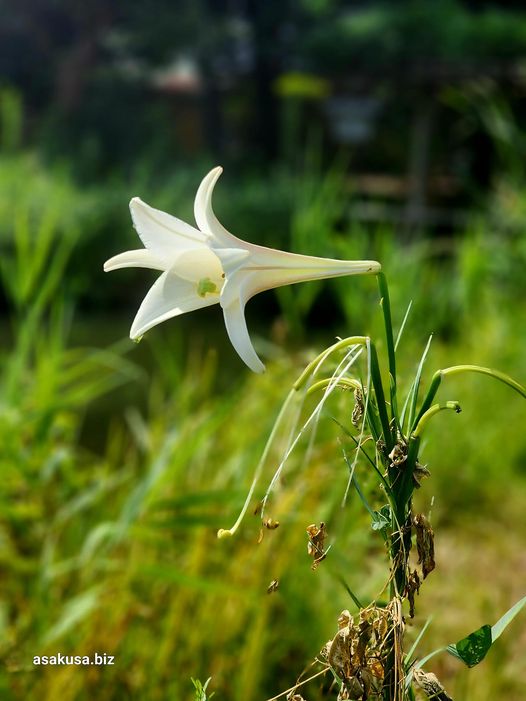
[209, 265]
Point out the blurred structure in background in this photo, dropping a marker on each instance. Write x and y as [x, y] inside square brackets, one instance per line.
[406, 89]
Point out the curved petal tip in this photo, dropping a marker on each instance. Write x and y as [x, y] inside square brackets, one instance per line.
[204, 214]
[206, 187]
[136, 204]
[236, 327]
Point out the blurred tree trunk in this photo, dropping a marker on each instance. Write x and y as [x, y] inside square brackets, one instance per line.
[419, 156]
[78, 60]
[72, 74]
[212, 113]
[264, 18]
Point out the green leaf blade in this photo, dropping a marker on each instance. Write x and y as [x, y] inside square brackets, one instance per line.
[473, 649]
[508, 617]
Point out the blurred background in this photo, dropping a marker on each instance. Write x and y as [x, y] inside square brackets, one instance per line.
[393, 131]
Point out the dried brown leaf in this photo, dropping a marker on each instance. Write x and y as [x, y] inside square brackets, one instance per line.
[425, 544]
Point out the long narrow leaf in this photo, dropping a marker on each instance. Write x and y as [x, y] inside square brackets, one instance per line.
[374, 370]
[508, 617]
[402, 327]
[413, 392]
[419, 637]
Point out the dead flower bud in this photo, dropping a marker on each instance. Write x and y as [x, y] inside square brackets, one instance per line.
[270, 524]
[259, 507]
[430, 685]
[316, 542]
[295, 697]
[425, 544]
[420, 472]
[345, 620]
[398, 454]
[359, 408]
[273, 586]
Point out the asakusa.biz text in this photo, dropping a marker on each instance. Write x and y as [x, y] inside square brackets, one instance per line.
[60, 659]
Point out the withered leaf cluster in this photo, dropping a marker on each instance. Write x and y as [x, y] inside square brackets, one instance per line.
[358, 653]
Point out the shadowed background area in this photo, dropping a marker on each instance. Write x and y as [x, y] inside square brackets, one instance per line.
[385, 131]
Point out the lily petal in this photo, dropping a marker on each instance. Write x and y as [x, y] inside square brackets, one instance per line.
[198, 263]
[236, 327]
[169, 296]
[278, 268]
[204, 214]
[289, 268]
[161, 233]
[141, 258]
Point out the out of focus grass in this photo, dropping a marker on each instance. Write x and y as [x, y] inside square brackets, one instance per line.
[107, 541]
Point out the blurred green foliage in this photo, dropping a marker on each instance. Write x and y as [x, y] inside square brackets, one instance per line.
[388, 36]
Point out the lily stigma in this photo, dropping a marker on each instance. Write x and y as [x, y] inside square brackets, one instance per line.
[209, 265]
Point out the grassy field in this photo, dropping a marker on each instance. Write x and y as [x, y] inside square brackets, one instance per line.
[119, 462]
